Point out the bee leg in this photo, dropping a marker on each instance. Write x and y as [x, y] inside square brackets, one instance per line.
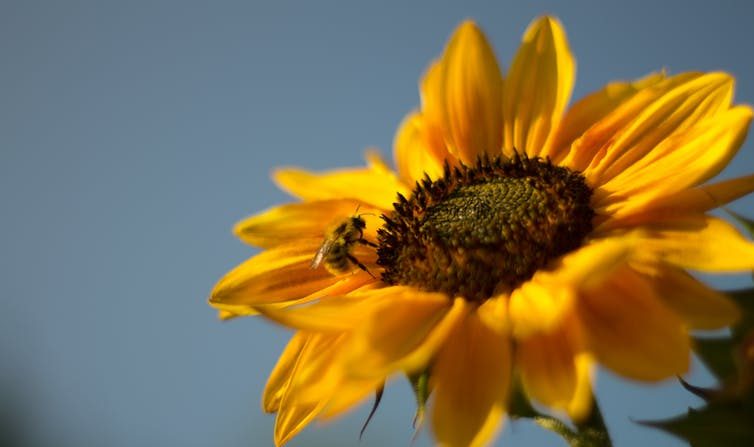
[367, 243]
[360, 265]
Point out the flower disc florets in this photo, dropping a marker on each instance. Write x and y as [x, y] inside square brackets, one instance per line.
[482, 230]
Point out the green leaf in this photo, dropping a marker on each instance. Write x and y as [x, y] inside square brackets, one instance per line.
[744, 298]
[728, 425]
[420, 385]
[717, 355]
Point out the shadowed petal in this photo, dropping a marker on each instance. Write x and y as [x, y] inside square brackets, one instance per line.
[631, 331]
[555, 371]
[403, 333]
[471, 379]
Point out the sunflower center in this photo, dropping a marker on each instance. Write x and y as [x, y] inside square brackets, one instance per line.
[483, 230]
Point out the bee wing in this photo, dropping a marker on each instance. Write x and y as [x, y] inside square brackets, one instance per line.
[324, 249]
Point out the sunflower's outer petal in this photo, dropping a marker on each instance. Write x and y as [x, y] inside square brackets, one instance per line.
[350, 393]
[631, 331]
[305, 220]
[592, 108]
[698, 305]
[372, 185]
[700, 243]
[473, 92]
[312, 382]
[333, 314]
[590, 148]
[693, 201]
[708, 197]
[227, 315]
[538, 88]
[675, 111]
[460, 96]
[345, 284]
[677, 163]
[281, 374]
[580, 406]
[541, 303]
[432, 92]
[471, 379]
[413, 155]
[279, 274]
[403, 332]
[555, 371]
[376, 162]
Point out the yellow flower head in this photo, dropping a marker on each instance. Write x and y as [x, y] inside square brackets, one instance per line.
[518, 242]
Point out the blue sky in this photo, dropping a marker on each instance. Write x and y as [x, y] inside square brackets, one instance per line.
[134, 134]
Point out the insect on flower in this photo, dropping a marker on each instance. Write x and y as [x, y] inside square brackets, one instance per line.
[335, 251]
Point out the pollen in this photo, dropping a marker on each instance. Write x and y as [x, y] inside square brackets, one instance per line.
[482, 230]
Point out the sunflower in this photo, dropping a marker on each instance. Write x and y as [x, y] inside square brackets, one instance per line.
[518, 243]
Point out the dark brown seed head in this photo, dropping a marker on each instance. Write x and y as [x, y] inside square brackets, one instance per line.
[483, 230]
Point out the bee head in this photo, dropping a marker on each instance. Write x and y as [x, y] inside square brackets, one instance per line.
[358, 222]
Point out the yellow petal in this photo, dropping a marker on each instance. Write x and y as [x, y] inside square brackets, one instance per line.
[537, 306]
[351, 392]
[371, 185]
[413, 154]
[494, 314]
[403, 332]
[708, 197]
[306, 220]
[555, 371]
[281, 374]
[631, 331]
[675, 111]
[580, 405]
[538, 88]
[331, 314]
[595, 106]
[590, 148]
[356, 281]
[312, 382]
[473, 89]
[541, 303]
[698, 305]
[692, 201]
[471, 379]
[279, 274]
[679, 162]
[701, 243]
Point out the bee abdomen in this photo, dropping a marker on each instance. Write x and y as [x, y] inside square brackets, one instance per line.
[337, 261]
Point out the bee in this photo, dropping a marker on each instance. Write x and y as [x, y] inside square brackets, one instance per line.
[335, 251]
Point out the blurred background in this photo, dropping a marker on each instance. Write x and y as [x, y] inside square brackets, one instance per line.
[133, 135]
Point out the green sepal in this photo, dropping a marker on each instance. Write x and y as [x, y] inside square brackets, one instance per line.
[420, 385]
[747, 223]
